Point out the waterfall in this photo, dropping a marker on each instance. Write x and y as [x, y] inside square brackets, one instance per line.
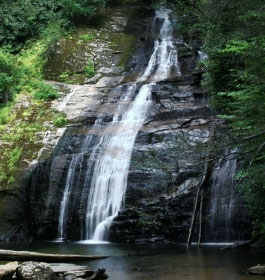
[109, 161]
[64, 204]
[223, 199]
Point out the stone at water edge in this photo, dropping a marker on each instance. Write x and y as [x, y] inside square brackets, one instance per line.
[7, 271]
[99, 275]
[257, 270]
[35, 271]
[85, 274]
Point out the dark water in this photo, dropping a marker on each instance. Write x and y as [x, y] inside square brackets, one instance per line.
[167, 262]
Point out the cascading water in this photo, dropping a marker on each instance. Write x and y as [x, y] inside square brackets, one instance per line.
[109, 179]
[223, 200]
[108, 165]
[64, 204]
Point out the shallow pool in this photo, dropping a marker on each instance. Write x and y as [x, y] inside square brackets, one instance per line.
[145, 262]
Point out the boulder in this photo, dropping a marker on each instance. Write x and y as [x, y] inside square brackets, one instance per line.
[35, 271]
[257, 270]
[68, 271]
[99, 275]
[7, 271]
[258, 245]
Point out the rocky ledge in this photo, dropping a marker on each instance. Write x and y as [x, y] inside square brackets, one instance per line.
[44, 271]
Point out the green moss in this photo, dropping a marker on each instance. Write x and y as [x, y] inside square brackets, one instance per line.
[87, 37]
[60, 120]
[67, 59]
[90, 69]
[148, 220]
[125, 44]
[14, 156]
[65, 77]
[20, 126]
[45, 92]
[20, 137]
[4, 114]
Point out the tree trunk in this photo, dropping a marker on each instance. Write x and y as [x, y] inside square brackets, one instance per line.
[7, 271]
[200, 219]
[39, 257]
[207, 166]
[193, 219]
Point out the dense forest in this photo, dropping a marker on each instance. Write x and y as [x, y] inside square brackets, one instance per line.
[232, 36]
[230, 32]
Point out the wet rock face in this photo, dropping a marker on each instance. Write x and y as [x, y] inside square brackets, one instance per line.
[166, 171]
[163, 173]
[108, 46]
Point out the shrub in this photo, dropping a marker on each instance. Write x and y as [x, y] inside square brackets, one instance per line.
[23, 19]
[65, 77]
[14, 156]
[90, 69]
[87, 37]
[81, 10]
[9, 76]
[4, 115]
[45, 92]
[60, 120]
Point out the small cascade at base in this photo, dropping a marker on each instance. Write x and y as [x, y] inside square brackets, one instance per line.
[225, 210]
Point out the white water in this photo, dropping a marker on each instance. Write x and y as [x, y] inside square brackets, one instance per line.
[110, 158]
[67, 98]
[66, 196]
[222, 200]
[109, 180]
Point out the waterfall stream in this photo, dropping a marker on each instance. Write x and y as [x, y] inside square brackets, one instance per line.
[108, 164]
[222, 199]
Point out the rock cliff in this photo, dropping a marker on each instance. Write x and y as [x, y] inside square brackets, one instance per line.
[166, 166]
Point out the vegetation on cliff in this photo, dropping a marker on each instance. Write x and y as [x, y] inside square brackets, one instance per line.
[232, 35]
[21, 81]
[28, 29]
[22, 21]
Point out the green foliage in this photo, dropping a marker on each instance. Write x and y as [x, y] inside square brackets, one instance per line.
[14, 156]
[253, 188]
[45, 92]
[3, 115]
[60, 120]
[21, 73]
[90, 69]
[22, 19]
[233, 37]
[9, 76]
[22, 130]
[65, 77]
[20, 126]
[81, 10]
[87, 37]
